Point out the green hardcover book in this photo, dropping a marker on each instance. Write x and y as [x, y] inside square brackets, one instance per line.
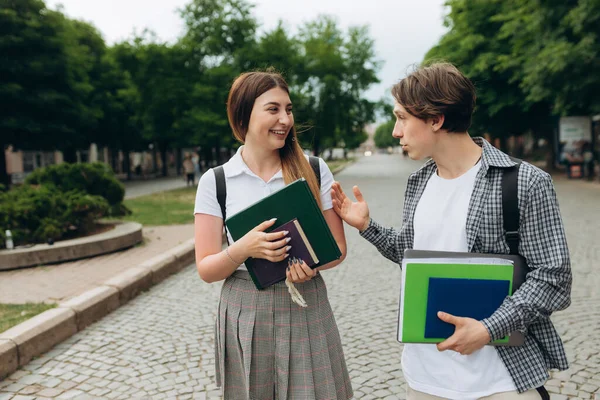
[292, 201]
[419, 305]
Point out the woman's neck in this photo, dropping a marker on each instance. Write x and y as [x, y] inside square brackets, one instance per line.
[264, 163]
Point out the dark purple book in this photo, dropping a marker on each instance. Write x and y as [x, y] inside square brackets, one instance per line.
[266, 273]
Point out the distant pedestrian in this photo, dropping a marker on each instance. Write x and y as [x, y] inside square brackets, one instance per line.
[188, 170]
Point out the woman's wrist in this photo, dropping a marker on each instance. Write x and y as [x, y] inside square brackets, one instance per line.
[233, 260]
[236, 253]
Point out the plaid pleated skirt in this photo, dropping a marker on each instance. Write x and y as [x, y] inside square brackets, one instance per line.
[267, 347]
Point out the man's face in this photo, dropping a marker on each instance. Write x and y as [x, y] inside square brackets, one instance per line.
[416, 136]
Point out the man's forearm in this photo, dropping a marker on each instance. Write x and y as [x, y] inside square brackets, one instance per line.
[387, 240]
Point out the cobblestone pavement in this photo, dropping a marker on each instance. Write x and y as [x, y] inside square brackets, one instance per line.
[160, 346]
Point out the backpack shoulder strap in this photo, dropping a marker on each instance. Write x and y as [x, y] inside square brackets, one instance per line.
[510, 206]
[314, 163]
[221, 190]
[221, 195]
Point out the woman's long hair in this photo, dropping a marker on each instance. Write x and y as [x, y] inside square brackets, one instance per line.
[244, 91]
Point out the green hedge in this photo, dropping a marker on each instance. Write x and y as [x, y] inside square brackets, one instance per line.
[93, 178]
[59, 202]
[36, 214]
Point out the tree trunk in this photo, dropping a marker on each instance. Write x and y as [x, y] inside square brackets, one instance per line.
[179, 160]
[4, 178]
[113, 160]
[163, 157]
[316, 146]
[551, 149]
[218, 149]
[154, 163]
[208, 157]
[127, 163]
[69, 155]
[503, 143]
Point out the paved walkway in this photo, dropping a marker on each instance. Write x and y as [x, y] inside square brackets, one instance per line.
[160, 345]
[142, 188]
[59, 282]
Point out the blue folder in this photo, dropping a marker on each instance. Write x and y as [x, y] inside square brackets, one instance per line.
[473, 298]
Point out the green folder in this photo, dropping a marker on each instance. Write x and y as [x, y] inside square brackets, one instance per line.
[415, 286]
[292, 201]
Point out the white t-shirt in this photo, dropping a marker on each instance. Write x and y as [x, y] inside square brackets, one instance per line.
[440, 224]
[245, 188]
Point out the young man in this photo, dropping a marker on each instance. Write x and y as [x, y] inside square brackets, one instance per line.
[454, 203]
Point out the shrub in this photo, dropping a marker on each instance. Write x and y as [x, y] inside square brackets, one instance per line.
[96, 179]
[35, 214]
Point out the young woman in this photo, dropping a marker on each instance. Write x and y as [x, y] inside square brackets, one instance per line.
[267, 346]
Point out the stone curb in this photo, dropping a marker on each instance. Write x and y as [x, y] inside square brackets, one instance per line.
[39, 334]
[123, 236]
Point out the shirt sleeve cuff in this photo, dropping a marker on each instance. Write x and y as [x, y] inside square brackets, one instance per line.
[499, 324]
[372, 229]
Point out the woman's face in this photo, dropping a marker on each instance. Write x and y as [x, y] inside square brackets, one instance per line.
[271, 119]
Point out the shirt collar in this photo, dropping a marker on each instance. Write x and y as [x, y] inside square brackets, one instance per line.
[237, 166]
[490, 157]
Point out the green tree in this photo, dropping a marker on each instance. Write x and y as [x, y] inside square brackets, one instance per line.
[383, 135]
[473, 44]
[119, 127]
[555, 52]
[338, 68]
[42, 86]
[219, 38]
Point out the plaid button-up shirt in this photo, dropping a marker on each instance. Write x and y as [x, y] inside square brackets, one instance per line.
[547, 287]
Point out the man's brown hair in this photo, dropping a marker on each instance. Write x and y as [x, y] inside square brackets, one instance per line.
[438, 89]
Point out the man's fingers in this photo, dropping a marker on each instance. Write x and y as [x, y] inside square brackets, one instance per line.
[358, 194]
[451, 319]
[339, 192]
[447, 344]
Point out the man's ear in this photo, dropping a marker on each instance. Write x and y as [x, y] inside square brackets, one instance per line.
[437, 122]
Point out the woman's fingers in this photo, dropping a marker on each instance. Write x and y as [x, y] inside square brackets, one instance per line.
[270, 237]
[308, 271]
[294, 272]
[299, 272]
[278, 244]
[264, 225]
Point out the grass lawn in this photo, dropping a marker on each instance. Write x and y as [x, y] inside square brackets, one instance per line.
[14, 314]
[165, 208]
[333, 164]
[174, 207]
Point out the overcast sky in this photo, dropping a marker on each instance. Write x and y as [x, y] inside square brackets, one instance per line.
[403, 30]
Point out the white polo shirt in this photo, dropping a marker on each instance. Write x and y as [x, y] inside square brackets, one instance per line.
[245, 188]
